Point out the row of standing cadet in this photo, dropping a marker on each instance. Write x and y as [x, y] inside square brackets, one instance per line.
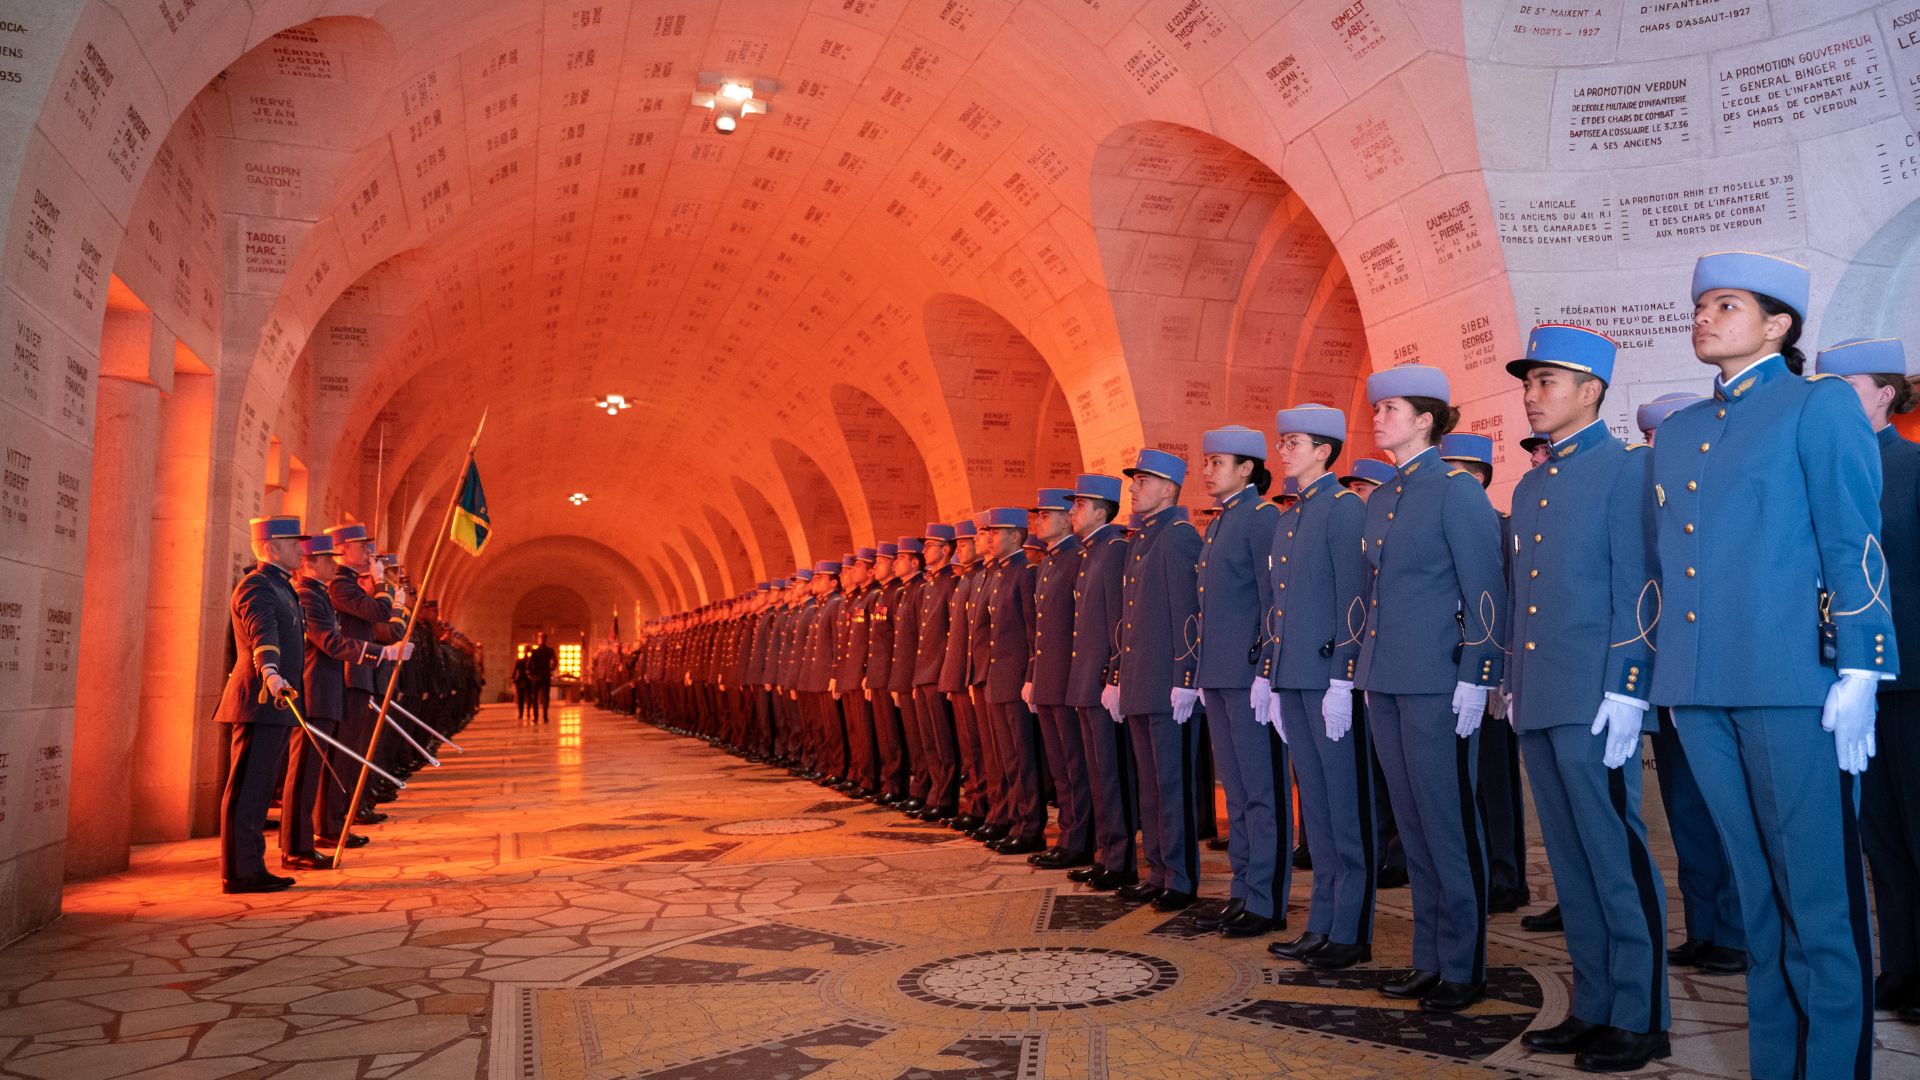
[1633, 591]
[317, 629]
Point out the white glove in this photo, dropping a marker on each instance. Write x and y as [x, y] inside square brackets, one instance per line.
[400, 596]
[1110, 701]
[1619, 720]
[1026, 694]
[833, 686]
[1261, 696]
[1511, 722]
[1183, 702]
[1336, 708]
[1279, 728]
[399, 650]
[1849, 714]
[1470, 705]
[278, 687]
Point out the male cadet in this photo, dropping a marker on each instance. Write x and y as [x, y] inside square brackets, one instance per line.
[314, 804]
[826, 742]
[540, 665]
[375, 616]
[1776, 636]
[1502, 804]
[1047, 677]
[1151, 689]
[850, 667]
[955, 670]
[792, 648]
[269, 655]
[938, 738]
[1234, 594]
[1319, 613]
[1097, 603]
[760, 744]
[887, 736]
[905, 618]
[1889, 811]
[1010, 619]
[979, 653]
[1716, 940]
[1582, 602]
[1368, 473]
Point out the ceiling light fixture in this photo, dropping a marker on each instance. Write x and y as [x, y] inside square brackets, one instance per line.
[731, 99]
[577, 498]
[615, 404]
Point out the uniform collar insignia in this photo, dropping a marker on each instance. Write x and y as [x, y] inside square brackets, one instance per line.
[1326, 481]
[1587, 437]
[1418, 460]
[1759, 374]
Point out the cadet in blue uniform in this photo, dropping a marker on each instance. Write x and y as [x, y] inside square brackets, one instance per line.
[1889, 804]
[1502, 805]
[1010, 618]
[1367, 475]
[1151, 689]
[1318, 616]
[1716, 939]
[1775, 637]
[1048, 676]
[1584, 602]
[1431, 654]
[269, 645]
[1234, 594]
[1097, 602]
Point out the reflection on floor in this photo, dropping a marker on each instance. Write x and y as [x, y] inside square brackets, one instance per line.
[596, 898]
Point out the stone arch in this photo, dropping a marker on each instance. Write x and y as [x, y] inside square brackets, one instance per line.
[822, 515]
[776, 548]
[892, 472]
[732, 551]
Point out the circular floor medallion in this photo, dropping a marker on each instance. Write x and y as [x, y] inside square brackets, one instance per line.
[1038, 978]
[779, 826]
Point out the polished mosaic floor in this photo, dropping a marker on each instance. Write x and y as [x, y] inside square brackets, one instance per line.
[598, 899]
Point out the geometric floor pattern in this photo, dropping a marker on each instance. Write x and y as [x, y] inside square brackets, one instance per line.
[599, 899]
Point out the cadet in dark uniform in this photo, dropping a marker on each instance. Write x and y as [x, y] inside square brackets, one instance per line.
[996, 799]
[1889, 803]
[825, 746]
[1234, 592]
[1319, 614]
[1096, 652]
[1716, 939]
[938, 736]
[1584, 603]
[269, 657]
[1152, 689]
[1010, 618]
[540, 666]
[955, 668]
[1772, 684]
[850, 668]
[905, 619]
[369, 614]
[1431, 654]
[1048, 676]
[1502, 804]
[888, 737]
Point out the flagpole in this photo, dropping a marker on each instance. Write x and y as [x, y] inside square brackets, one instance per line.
[393, 680]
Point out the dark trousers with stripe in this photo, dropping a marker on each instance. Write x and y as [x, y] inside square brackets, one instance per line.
[889, 742]
[310, 792]
[1336, 810]
[1110, 789]
[1252, 765]
[1165, 752]
[1611, 897]
[966, 729]
[1709, 902]
[1890, 831]
[863, 764]
[1502, 807]
[910, 732]
[1430, 775]
[1788, 821]
[1067, 762]
[941, 744]
[253, 771]
[1018, 736]
[992, 771]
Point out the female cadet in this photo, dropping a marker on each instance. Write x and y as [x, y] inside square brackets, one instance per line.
[1774, 637]
[1431, 653]
[1889, 805]
[1316, 622]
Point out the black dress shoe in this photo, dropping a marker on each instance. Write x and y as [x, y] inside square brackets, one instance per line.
[1569, 1036]
[308, 861]
[1299, 948]
[1302, 858]
[1910, 1014]
[885, 799]
[1248, 924]
[1336, 957]
[1216, 843]
[1894, 992]
[1173, 900]
[1547, 922]
[1061, 859]
[1035, 858]
[1390, 877]
[1017, 846]
[935, 813]
[1416, 984]
[1453, 996]
[354, 840]
[965, 823]
[1721, 960]
[1085, 873]
[369, 817]
[1105, 880]
[1214, 913]
[1504, 901]
[261, 883]
[990, 834]
[1622, 1051]
[1139, 891]
[913, 805]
